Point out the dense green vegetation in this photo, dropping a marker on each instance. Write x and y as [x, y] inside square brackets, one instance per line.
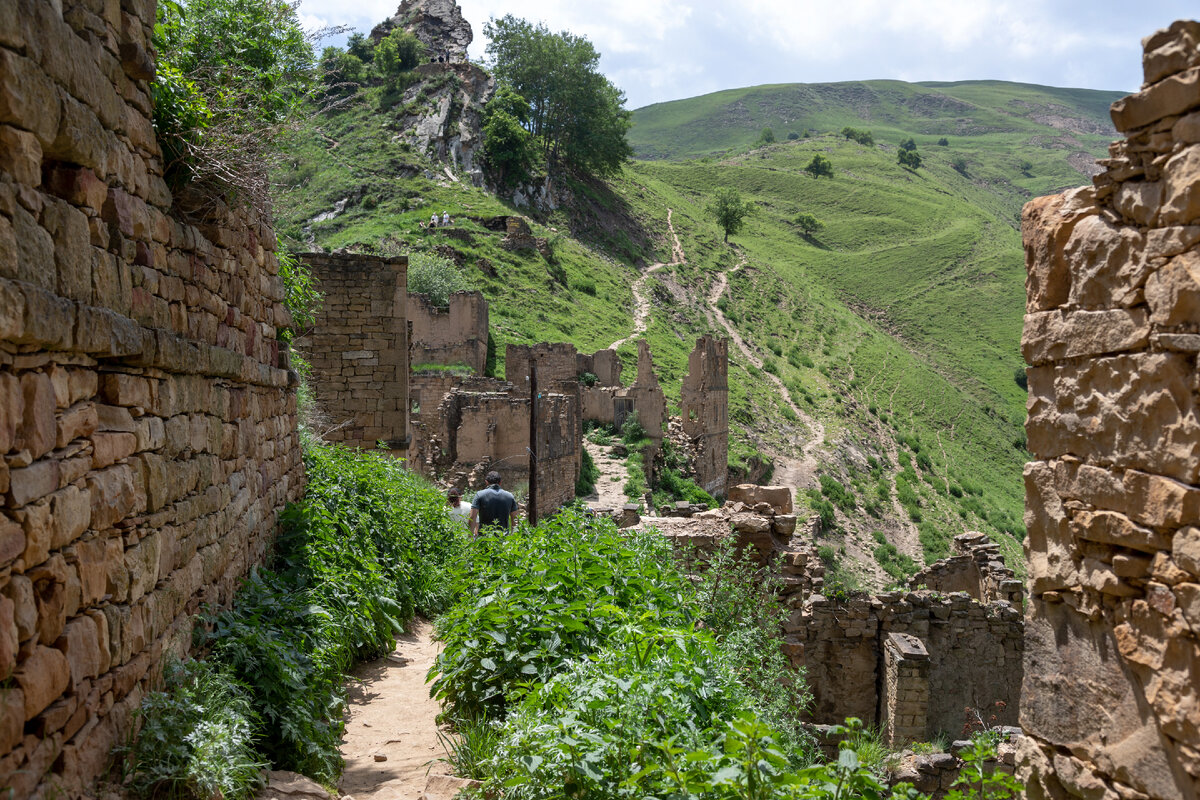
[368, 547]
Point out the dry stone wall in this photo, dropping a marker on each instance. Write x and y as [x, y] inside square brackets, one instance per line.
[358, 349]
[704, 407]
[1112, 332]
[147, 422]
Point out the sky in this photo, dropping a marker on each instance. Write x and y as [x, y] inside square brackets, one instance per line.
[659, 50]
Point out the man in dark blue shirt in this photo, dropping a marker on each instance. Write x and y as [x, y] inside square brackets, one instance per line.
[493, 506]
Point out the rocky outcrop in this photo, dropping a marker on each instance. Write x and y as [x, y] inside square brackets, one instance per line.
[439, 24]
[442, 116]
[1111, 698]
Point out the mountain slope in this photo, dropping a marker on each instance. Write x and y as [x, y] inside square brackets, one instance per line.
[895, 328]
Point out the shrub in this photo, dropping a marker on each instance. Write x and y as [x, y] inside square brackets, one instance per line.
[585, 285]
[588, 474]
[792, 136]
[862, 137]
[820, 165]
[943, 142]
[435, 277]
[197, 737]
[837, 493]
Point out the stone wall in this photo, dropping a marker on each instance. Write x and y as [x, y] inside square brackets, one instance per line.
[457, 334]
[426, 391]
[147, 422]
[1112, 669]
[358, 349]
[704, 407]
[977, 568]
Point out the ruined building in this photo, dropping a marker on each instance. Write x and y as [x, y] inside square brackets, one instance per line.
[147, 420]
[1112, 331]
[704, 407]
[358, 349]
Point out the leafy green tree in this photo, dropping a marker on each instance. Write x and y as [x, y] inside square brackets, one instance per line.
[340, 70]
[435, 277]
[398, 52]
[729, 210]
[909, 159]
[960, 166]
[792, 136]
[820, 165]
[865, 138]
[908, 144]
[1026, 167]
[766, 137]
[943, 142]
[508, 148]
[360, 47]
[230, 74]
[808, 224]
[576, 114]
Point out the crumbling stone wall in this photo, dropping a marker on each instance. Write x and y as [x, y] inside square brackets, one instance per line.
[426, 391]
[974, 657]
[977, 568]
[704, 407]
[456, 334]
[147, 422]
[1112, 674]
[358, 349]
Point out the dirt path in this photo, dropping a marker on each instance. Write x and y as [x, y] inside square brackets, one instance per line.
[798, 473]
[610, 486]
[641, 302]
[390, 714]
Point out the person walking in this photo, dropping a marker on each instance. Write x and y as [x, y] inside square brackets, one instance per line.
[458, 510]
[493, 507]
[445, 219]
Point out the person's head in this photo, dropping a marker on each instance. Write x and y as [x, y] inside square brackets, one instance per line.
[493, 477]
[453, 496]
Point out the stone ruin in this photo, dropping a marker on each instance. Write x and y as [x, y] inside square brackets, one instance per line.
[147, 419]
[976, 568]
[358, 349]
[912, 663]
[1112, 331]
[704, 408]
[450, 336]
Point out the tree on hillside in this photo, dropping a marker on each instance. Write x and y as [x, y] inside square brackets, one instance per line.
[862, 137]
[808, 224]
[359, 46]
[576, 114]
[729, 210]
[909, 159]
[398, 52]
[766, 137]
[508, 147]
[820, 165]
[908, 144]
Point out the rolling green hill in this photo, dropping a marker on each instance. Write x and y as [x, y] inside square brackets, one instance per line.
[896, 327]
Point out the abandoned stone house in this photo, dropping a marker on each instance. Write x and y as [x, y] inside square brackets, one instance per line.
[149, 436]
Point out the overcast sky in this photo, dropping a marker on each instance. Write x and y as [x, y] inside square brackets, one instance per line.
[657, 50]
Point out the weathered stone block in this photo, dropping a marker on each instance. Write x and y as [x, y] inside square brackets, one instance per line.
[1058, 335]
[1185, 549]
[38, 429]
[71, 512]
[1181, 188]
[27, 97]
[12, 540]
[12, 718]
[113, 495]
[1046, 226]
[1169, 97]
[20, 155]
[1135, 411]
[77, 422]
[80, 643]
[109, 448]
[12, 410]
[1173, 292]
[43, 676]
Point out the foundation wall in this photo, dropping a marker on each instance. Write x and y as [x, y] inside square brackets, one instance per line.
[147, 421]
[1112, 331]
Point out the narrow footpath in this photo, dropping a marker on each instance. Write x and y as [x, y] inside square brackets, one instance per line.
[391, 741]
[641, 302]
[798, 473]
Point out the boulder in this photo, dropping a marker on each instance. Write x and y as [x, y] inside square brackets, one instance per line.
[779, 497]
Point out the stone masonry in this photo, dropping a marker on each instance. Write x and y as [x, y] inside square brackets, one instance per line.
[147, 421]
[704, 407]
[358, 349]
[456, 334]
[976, 568]
[1111, 699]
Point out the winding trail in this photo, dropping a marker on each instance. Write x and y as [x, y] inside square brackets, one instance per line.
[798, 473]
[641, 303]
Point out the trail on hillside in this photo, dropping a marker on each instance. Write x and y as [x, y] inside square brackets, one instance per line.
[798, 473]
[610, 486]
[390, 716]
[641, 302]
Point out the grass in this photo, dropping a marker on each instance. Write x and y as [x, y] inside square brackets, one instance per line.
[898, 323]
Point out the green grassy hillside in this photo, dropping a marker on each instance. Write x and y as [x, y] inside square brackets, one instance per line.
[896, 326]
[993, 115]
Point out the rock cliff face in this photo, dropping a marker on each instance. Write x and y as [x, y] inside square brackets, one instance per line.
[439, 24]
[444, 117]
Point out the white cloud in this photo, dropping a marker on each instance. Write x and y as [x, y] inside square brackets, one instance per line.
[667, 49]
